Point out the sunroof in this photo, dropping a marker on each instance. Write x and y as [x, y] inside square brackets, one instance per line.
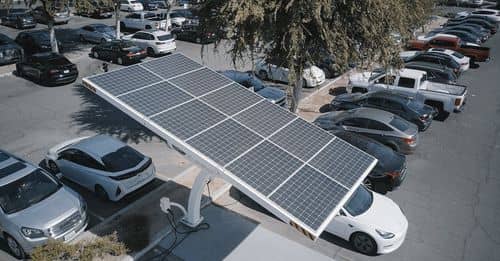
[11, 169]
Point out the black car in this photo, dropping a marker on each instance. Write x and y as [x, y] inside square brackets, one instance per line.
[98, 10]
[193, 33]
[10, 52]
[249, 80]
[409, 108]
[35, 42]
[148, 5]
[47, 69]
[464, 35]
[437, 58]
[472, 16]
[485, 24]
[390, 170]
[18, 18]
[118, 51]
[475, 29]
[435, 72]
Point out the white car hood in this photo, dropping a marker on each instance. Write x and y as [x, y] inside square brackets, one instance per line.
[313, 72]
[384, 215]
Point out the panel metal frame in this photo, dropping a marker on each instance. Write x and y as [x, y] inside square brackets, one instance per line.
[219, 171]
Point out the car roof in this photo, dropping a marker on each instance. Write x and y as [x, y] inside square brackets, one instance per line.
[441, 50]
[13, 168]
[361, 112]
[99, 145]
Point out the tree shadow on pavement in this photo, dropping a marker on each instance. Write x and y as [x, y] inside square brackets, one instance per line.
[99, 116]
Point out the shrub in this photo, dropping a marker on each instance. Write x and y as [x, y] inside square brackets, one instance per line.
[86, 250]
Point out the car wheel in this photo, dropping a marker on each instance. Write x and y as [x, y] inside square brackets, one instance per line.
[364, 243]
[95, 54]
[198, 40]
[14, 247]
[150, 52]
[52, 166]
[101, 193]
[119, 61]
[262, 74]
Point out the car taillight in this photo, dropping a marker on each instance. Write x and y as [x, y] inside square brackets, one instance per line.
[53, 71]
[393, 174]
[424, 117]
[458, 101]
[130, 54]
[409, 140]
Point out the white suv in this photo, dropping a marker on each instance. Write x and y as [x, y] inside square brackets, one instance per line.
[130, 6]
[155, 41]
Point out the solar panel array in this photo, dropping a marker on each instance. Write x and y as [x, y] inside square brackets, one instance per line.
[302, 170]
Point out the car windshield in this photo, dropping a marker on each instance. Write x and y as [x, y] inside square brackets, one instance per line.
[165, 37]
[27, 191]
[122, 159]
[359, 202]
[134, 2]
[400, 124]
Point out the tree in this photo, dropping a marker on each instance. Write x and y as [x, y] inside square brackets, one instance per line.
[50, 7]
[297, 32]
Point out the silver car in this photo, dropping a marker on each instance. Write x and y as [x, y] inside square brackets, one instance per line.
[97, 33]
[102, 164]
[383, 126]
[35, 206]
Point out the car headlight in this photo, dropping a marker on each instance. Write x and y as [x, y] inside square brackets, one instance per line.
[32, 232]
[383, 234]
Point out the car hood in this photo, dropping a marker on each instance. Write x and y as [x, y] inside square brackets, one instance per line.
[313, 71]
[272, 93]
[384, 214]
[49, 211]
[347, 97]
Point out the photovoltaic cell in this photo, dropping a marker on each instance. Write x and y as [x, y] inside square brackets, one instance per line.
[232, 99]
[302, 139]
[200, 82]
[265, 118]
[127, 79]
[341, 162]
[155, 98]
[310, 196]
[265, 167]
[188, 119]
[225, 142]
[171, 65]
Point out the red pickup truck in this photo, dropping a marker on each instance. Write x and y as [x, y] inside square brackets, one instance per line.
[476, 53]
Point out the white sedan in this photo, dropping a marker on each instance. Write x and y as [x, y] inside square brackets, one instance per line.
[373, 223]
[101, 164]
[461, 59]
[312, 76]
[155, 42]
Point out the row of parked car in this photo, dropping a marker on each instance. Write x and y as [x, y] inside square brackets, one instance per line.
[383, 113]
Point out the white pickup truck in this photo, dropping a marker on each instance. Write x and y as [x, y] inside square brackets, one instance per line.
[143, 21]
[446, 98]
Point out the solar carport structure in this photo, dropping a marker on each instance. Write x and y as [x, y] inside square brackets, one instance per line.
[297, 171]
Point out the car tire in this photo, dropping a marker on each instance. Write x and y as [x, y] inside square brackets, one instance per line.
[101, 193]
[151, 52]
[52, 167]
[15, 249]
[364, 243]
[263, 75]
[119, 61]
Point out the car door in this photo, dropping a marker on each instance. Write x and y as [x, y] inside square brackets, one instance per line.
[340, 225]
[139, 39]
[80, 168]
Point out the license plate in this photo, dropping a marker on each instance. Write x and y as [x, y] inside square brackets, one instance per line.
[69, 236]
[66, 71]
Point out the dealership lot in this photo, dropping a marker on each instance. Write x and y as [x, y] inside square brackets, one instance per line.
[450, 196]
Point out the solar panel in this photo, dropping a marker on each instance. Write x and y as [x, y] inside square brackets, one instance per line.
[297, 171]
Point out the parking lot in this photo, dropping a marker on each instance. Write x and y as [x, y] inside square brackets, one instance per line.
[450, 196]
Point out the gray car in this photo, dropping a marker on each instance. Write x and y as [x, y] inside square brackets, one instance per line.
[97, 33]
[102, 164]
[36, 207]
[383, 126]
[61, 15]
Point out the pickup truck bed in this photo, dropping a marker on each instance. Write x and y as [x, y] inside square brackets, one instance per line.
[445, 88]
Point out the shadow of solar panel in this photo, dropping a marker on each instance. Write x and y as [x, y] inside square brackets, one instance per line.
[155, 98]
[342, 162]
[265, 118]
[124, 80]
[200, 82]
[265, 167]
[232, 99]
[188, 119]
[309, 196]
[302, 139]
[171, 65]
[225, 142]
